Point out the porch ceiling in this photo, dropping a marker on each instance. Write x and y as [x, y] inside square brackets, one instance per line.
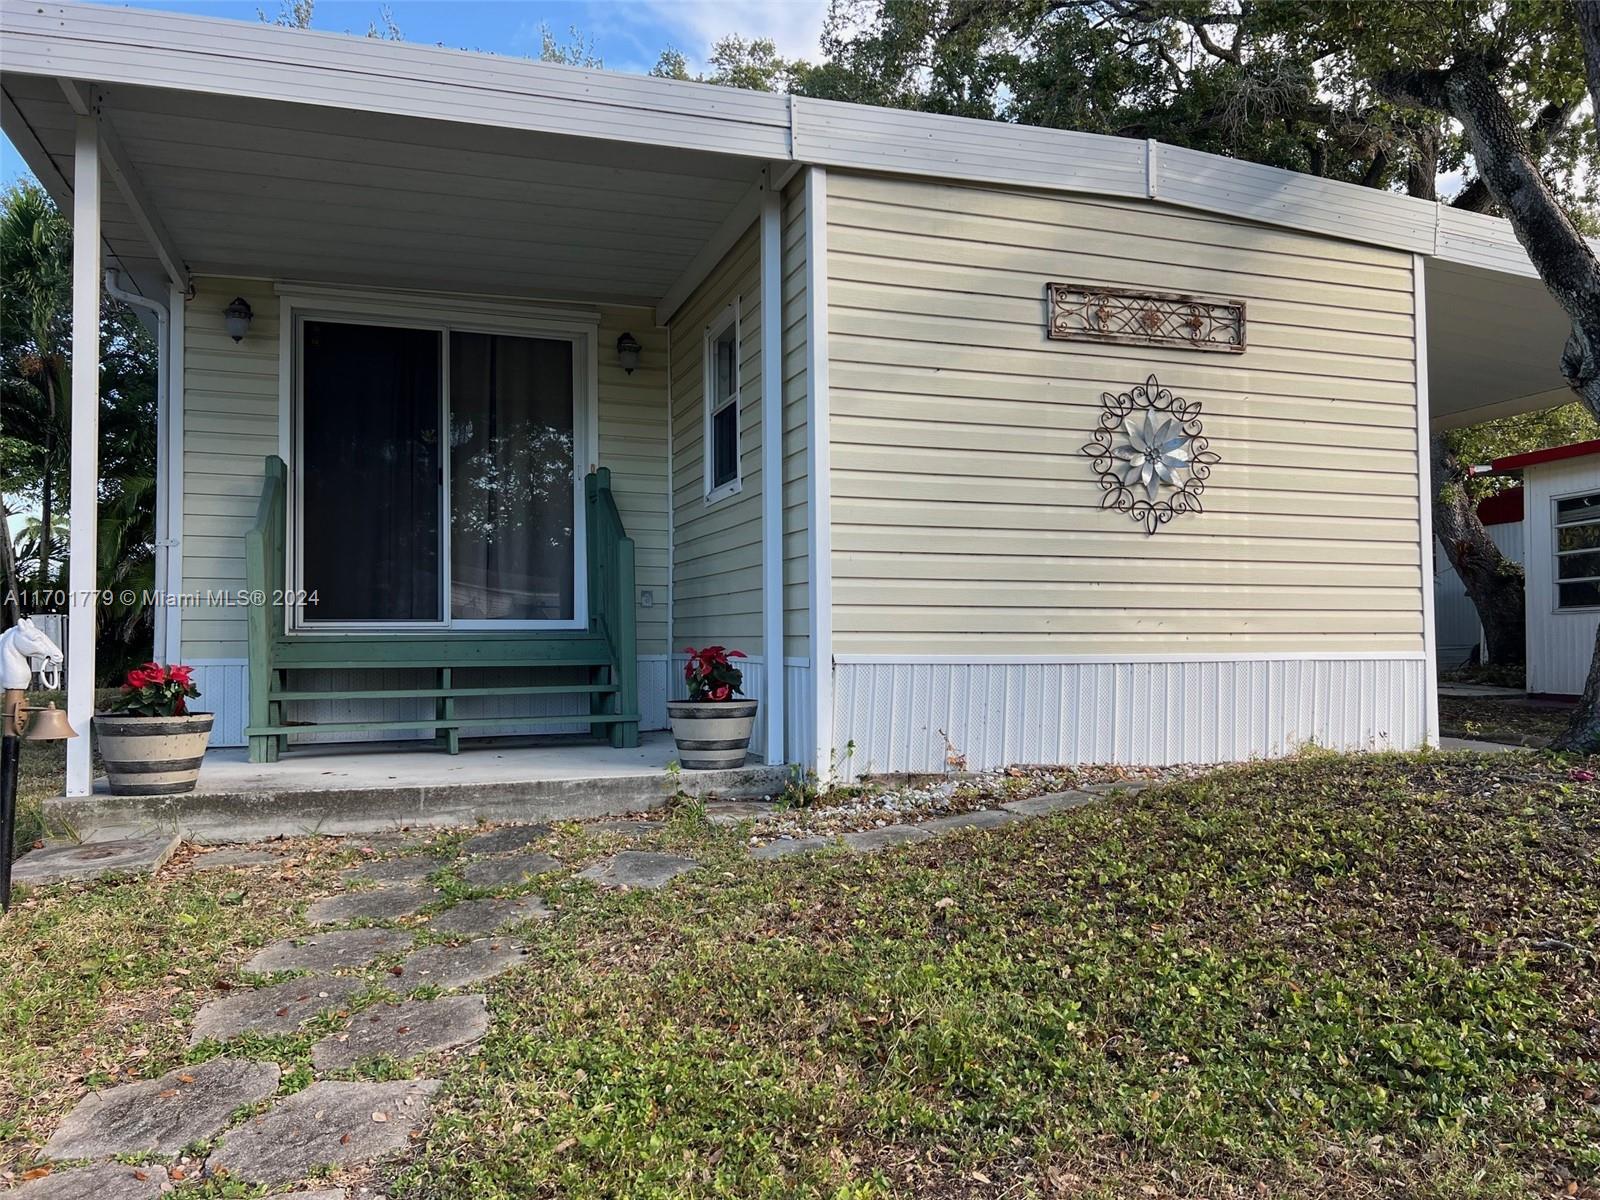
[1494, 345]
[288, 191]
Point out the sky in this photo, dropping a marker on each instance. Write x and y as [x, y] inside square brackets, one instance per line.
[628, 35]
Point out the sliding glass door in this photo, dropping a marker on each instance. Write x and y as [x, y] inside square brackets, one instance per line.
[437, 472]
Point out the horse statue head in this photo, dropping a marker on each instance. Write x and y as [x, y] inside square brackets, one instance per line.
[23, 641]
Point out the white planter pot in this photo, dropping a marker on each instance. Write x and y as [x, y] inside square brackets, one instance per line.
[712, 735]
[152, 756]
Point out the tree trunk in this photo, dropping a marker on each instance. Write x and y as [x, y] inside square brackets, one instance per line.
[47, 483]
[8, 569]
[1494, 582]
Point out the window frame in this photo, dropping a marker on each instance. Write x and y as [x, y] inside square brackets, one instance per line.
[443, 314]
[728, 319]
[1557, 554]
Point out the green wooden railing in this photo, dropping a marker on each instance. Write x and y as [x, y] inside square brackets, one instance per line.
[611, 597]
[607, 649]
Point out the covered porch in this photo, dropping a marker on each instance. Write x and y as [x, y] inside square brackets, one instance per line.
[443, 408]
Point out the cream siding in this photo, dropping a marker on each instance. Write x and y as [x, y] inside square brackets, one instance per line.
[230, 425]
[716, 547]
[231, 418]
[796, 527]
[966, 519]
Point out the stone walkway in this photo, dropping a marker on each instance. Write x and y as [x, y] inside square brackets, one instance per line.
[357, 979]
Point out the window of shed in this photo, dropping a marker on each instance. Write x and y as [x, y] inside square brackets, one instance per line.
[1577, 539]
[722, 408]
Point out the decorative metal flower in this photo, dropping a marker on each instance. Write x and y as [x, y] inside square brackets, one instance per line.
[1149, 452]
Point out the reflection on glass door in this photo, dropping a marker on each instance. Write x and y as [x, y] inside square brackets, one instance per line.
[511, 478]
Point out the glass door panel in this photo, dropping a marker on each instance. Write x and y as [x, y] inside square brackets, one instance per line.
[511, 478]
[370, 470]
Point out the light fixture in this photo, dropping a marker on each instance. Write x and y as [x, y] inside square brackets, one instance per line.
[628, 352]
[237, 315]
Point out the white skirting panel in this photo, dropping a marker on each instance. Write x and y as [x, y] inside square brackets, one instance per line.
[223, 685]
[1139, 712]
[796, 700]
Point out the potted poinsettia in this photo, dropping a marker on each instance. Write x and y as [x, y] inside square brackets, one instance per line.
[151, 743]
[712, 727]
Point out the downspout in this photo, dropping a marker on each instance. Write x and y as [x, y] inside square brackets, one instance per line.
[165, 542]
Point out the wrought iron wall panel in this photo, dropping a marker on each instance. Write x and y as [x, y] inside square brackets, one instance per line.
[1085, 313]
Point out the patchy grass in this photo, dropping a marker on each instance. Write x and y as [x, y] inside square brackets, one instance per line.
[1324, 977]
[1510, 719]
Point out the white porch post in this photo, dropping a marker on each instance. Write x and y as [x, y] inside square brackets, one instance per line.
[84, 474]
[772, 468]
[171, 616]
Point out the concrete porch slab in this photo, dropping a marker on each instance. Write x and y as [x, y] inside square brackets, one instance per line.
[370, 788]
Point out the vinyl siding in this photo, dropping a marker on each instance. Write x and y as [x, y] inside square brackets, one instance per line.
[796, 527]
[966, 518]
[231, 415]
[716, 546]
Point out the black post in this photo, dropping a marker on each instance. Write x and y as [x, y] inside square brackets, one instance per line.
[8, 811]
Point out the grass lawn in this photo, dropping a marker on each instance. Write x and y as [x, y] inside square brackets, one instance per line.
[1330, 976]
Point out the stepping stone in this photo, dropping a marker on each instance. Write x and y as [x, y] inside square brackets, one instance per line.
[869, 840]
[984, 818]
[626, 828]
[392, 839]
[282, 1008]
[506, 838]
[403, 1031]
[447, 967]
[637, 869]
[379, 904]
[108, 1181]
[1040, 806]
[92, 860]
[326, 1125]
[731, 812]
[413, 868]
[233, 856]
[343, 949]
[162, 1116]
[511, 871]
[486, 916]
[784, 847]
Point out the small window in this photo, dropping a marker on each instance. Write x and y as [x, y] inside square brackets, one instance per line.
[1578, 551]
[722, 408]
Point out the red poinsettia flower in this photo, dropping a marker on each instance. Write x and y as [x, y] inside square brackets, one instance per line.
[711, 675]
[153, 690]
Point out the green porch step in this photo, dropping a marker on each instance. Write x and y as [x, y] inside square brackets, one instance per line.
[443, 724]
[542, 689]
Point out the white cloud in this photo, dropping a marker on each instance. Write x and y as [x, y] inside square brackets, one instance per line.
[795, 25]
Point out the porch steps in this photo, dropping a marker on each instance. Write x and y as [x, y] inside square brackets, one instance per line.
[441, 726]
[546, 689]
[601, 658]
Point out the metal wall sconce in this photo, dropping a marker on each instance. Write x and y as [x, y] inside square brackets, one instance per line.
[628, 352]
[238, 315]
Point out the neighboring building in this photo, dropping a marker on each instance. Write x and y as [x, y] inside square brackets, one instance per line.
[865, 388]
[1561, 532]
[1460, 634]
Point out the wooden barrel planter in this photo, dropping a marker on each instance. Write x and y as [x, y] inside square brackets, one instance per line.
[152, 756]
[712, 735]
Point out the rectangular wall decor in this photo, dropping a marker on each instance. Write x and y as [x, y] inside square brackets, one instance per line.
[1084, 313]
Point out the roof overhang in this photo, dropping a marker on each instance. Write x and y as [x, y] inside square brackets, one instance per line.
[276, 152]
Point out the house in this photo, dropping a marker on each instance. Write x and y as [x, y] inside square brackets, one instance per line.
[1560, 533]
[1460, 639]
[986, 443]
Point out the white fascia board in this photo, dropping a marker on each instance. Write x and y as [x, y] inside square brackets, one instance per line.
[196, 54]
[744, 215]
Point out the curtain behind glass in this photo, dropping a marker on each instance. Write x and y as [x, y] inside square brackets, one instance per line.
[369, 470]
[511, 478]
